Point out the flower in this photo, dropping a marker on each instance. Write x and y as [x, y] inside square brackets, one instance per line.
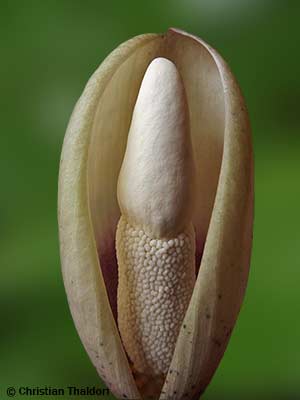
[214, 217]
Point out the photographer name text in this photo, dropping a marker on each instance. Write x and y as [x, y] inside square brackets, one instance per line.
[56, 391]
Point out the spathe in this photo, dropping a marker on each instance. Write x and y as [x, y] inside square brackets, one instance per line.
[88, 210]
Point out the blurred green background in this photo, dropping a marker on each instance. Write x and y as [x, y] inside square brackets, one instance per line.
[48, 51]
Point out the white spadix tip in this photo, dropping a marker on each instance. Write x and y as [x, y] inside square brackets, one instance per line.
[156, 181]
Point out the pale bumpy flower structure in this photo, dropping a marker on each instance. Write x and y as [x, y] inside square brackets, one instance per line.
[155, 215]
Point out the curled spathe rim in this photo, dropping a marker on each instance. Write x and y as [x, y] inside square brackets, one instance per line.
[91, 158]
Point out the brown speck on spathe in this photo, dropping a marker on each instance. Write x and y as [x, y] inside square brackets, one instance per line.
[216, 342]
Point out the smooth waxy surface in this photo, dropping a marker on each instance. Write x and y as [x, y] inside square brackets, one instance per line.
[156, 186]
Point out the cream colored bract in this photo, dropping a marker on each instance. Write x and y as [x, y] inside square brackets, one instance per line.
[92, 155]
